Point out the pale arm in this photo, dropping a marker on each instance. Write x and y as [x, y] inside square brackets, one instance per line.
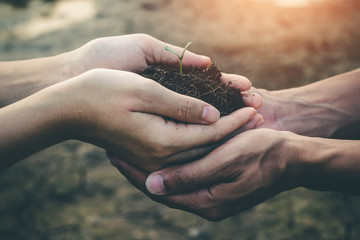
[19, 79]
[30, 125]
[118, 111]
[134, 53]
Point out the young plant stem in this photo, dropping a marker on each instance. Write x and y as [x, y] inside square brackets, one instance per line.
[180, 57]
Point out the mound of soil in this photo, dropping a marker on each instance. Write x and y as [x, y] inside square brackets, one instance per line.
[199, 83]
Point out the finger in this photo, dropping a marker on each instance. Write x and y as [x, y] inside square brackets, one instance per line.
[236, 81]
[242, 83]
[180, 137]
[256, 122]
[252, 99]
[198, 135]
[162, 101]
[187, 202]
[217, 167]
[219, 201]
[199, 152]
[158, 54]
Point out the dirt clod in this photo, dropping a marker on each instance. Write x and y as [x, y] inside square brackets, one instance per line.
[199, 83]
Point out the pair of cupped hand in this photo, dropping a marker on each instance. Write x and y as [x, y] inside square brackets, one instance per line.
[204, 164]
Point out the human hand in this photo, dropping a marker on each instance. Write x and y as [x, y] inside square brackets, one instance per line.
[270, 104]
[295, 111]
[132, 53]
[245, 171]
[122, 112]
[315, 110]
[69, 107]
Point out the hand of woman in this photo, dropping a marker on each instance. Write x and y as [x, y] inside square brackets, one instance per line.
[132, 53]
[124, 115]
[119, 111]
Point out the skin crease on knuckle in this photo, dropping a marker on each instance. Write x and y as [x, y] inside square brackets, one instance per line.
[144, 92]
[185, 109]
[183, 178]
[148, 44]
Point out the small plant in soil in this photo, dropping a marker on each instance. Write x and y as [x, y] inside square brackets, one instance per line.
[180, 57]
[204, 84]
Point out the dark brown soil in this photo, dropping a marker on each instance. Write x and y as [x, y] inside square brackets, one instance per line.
[199, 83]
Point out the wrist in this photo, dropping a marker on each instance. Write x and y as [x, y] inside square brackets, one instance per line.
[308, 111]
[293, 152]
[28, 126]
[323, 164]
[31, 76]
[305, 157]
[325, 106]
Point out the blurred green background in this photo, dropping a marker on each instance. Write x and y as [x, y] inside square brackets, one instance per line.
[70, 191]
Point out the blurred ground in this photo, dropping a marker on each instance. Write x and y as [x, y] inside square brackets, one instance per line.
[70, 191]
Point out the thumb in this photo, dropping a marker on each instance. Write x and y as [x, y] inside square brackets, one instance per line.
[192, 176]
[164, 102]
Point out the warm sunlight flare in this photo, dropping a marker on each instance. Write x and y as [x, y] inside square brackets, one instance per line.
[293, 3]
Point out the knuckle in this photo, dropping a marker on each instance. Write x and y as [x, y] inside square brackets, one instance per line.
[143, 36]
[201, 201]
[218, 136]
[159, 152]
[144, 94]
[185, 109]
[146, 86]
[184, 178]
[161, 146]
[157, 149]
[206, 199]
[217, 133]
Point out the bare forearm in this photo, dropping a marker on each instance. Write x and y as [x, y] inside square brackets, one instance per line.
[19, 79]
[322, 108]
[28, 126]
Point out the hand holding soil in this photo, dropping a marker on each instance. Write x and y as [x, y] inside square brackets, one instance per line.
[118, 110]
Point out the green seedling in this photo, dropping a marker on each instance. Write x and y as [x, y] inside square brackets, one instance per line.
[180, 57]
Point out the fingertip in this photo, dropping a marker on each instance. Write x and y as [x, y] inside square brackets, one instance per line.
[252, 113]
[206, 61]
[237, 81]
[241, 116]
[210, 114]
[260, 120]
[193, 59]
[252, 99]
[154, 184]
[247, 111]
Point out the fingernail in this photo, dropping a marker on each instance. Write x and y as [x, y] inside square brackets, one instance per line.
[154, 184]
[210, 114]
